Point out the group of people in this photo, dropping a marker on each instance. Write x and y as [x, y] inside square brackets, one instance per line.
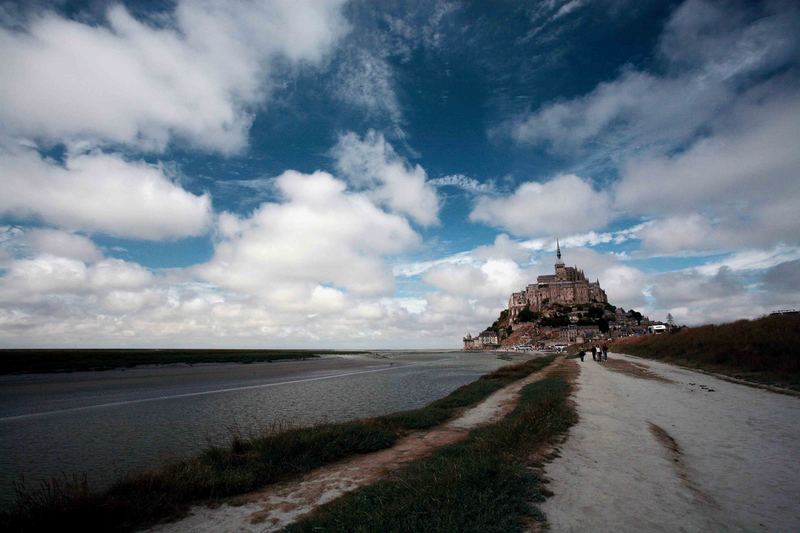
[598, 354]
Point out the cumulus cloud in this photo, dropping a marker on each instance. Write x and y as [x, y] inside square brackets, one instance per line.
[310, 249]
[704, 142]
[744, 176]
[99, 192]
[49, 298]
[494, 278]
[46, 276]
[503, 247]
[561, 205]
[372, 164]
[676, 234]
[197, 75]
[61, 244]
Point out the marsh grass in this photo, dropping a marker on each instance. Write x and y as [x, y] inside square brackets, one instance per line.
[247, 463]
[763, 350]
[63, 360]
[482, 484]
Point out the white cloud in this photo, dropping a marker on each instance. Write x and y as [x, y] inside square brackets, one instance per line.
[745, 177]
[463, 182]
[45, 276]
[495, 279]
[704, 143]
[564, 204]
[416, 268]
[372, 163]
[321, 240]
[99, 192]
[118, 274]
[365, 79]
[752, 259]
[198, 75]
[61, 244]
[568, 7]
[503, 247]
[675, 234]
[709, 51]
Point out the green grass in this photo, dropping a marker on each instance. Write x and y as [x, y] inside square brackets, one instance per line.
[464, 396]
[245, 465]
[763, 350]
[482, 484]
[59, 360]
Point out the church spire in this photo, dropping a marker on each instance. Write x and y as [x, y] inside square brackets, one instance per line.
[559, 262]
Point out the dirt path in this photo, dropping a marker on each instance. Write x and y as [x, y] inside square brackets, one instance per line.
[660, 448]
[283, 503]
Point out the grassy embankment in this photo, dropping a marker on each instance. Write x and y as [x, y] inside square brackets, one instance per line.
[765, 350]
[60, 360]
[482, 484]
[246, 465]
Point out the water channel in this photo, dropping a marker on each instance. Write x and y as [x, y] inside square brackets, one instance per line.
[107, 424]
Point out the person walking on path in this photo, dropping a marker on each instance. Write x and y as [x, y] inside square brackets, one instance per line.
[581, 354]
[594, 352]
[605, 352]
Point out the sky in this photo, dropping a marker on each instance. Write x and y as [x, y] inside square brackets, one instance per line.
[356, 174]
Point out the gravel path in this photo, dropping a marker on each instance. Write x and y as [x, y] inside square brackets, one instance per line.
[686, 452]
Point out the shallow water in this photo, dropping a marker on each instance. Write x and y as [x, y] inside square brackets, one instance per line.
[110, 423]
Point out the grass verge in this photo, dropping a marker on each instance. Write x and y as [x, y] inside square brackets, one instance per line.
[762, 350]
[245, 465]
[482, 484]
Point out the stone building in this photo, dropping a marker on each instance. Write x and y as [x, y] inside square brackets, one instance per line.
[573, 333]
[471, 343]
[486, 339]
[567, 286]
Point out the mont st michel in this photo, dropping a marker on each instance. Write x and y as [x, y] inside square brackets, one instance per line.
[409, 266]
[560, 308]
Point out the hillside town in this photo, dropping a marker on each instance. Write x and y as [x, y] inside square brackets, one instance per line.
[560, 309]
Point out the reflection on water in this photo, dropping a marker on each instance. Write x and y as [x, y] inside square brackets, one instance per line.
[109, 423]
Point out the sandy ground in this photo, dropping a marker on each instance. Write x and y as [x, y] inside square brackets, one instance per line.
[686, 452]
[283, 503]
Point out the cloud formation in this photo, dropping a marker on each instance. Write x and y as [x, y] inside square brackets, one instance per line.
[372, 164]
[743, 176]
[464, 183]
[198, 74]
[564, 204]
[708, 51]
[98, 192]
[310, 250]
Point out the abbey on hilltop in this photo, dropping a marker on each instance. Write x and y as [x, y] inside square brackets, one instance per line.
[567, 286]
[558, 309]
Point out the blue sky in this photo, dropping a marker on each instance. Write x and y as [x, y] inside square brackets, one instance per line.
[384, 174]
